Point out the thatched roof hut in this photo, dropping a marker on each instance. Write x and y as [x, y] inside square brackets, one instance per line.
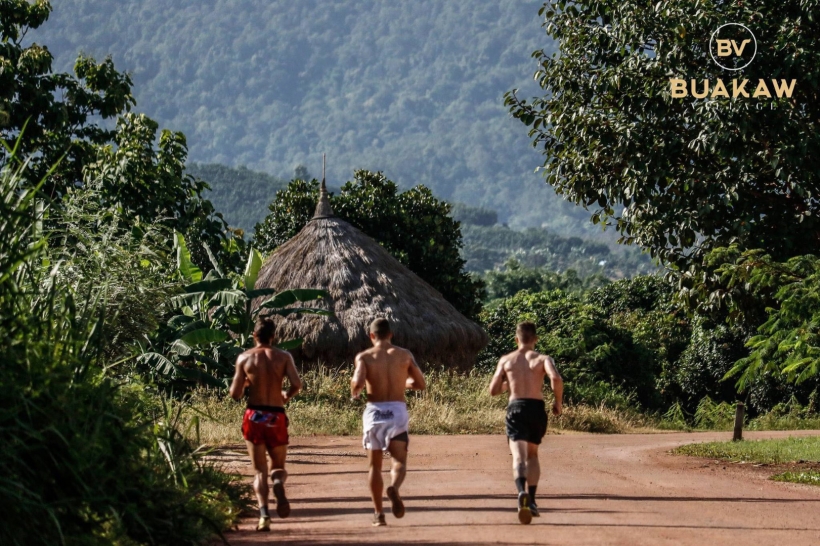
[365, 282]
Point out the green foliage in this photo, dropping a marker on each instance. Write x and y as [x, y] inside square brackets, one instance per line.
[808, 477]
[240, 194]
[777, 451]
[84, 460]
[211, 323]
[680, 176]
[413, 226]
[789, 341]
[58, 111]
[594, 355]
[776, 301]
[96, 250]
[711, 415]
[63, 122]
[515, 277]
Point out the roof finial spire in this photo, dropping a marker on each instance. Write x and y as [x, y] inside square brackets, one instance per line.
[323, 209]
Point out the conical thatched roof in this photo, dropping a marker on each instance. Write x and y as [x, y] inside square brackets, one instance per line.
[365, 282]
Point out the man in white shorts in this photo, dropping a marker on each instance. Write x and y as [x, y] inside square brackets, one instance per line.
[387, 371]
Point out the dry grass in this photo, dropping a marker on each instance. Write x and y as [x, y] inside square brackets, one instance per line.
[453, 404]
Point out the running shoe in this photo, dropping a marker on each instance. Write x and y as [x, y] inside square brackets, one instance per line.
[534, 510]
[378, 520]
[282, 504]
[396, 505]
[264, 524]
[524, 513]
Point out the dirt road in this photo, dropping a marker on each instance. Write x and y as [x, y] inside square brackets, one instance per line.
[594, 489]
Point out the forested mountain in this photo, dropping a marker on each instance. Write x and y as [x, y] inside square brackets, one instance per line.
[240, 194]
[413, 89]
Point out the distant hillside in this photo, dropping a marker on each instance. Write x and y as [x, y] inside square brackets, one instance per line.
[410, 88]
[488, 246]
[240, 194]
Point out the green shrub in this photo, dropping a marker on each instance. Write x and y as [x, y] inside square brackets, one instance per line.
[84, 460]
[593, 354]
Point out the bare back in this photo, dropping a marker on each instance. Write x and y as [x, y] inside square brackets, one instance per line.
[386, 369]
[265, 369]
[524, 371]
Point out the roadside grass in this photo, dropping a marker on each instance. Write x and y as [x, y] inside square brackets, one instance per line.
[458, 403]
[778, 451]
[808, 477]
[784, 451]
[452, 404]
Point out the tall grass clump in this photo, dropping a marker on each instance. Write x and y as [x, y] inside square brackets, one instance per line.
[83, 459]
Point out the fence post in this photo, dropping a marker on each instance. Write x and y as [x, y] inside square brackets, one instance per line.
[739, 415]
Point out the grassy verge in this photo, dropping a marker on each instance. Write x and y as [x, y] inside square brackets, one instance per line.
[453, 404]
[788, 451]
[458, 404]
[777, 451]
[808, 477]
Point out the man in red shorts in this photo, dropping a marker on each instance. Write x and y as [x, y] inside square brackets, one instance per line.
[265, 425]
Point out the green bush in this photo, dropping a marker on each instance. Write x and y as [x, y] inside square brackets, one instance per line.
[83, 459]
[593, 355]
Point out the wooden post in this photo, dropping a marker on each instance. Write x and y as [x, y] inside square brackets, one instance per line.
[739, 415]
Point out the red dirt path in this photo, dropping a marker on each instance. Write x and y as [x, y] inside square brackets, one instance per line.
[594, 489]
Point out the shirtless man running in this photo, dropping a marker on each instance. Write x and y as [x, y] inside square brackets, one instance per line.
[523, 371]
[387, 371]
[265, 425]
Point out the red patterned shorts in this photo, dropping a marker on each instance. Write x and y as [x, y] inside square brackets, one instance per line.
[266, 425]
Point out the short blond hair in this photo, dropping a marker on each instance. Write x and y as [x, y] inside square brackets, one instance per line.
[380, 327]
[525, 332]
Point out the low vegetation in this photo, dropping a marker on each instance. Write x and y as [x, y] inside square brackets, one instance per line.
[453, 404]
[776, 451]
[799, 455]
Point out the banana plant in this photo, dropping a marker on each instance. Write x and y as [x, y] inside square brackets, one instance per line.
[213, 320]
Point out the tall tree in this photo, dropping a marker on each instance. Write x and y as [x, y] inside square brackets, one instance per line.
[61, 123]
[414, 226]
[680, 176]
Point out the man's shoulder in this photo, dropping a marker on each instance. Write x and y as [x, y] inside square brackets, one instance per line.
[399, 350]
[510, 356]
[363, 355]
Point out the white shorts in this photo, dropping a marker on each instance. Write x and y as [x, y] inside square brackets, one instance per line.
[383, 421]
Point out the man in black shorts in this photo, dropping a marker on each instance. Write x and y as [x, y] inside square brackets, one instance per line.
[522, 372]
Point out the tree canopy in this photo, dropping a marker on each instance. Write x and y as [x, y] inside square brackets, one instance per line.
[79, 129]
[681, 175]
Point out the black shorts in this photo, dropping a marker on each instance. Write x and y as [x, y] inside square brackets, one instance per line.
[527, 420]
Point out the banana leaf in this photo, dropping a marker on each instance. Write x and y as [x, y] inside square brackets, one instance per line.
[180, 348]
[228, 297]
[179, 321]
[187, 300]
[292, 296]
[252, 269]
[209, 285]
[157, 362]
[203, 336]
[189, 271]
[291, 344]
